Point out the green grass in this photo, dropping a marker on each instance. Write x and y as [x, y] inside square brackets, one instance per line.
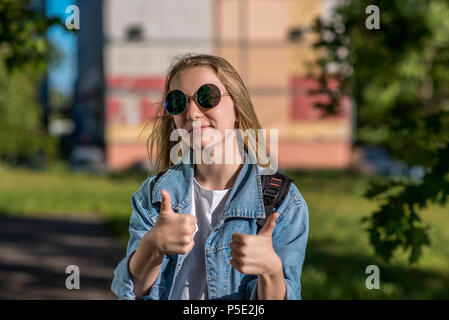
[338, 250]
[61, 192]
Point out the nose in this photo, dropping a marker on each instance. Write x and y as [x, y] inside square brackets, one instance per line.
[193, 111]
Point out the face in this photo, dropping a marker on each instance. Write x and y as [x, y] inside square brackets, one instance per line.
[219, 118]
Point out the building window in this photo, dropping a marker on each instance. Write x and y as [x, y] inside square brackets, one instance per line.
[134, 33]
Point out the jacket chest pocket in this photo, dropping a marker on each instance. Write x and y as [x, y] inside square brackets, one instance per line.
[226, 282]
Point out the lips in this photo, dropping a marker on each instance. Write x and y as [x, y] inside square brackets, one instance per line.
[202, 128]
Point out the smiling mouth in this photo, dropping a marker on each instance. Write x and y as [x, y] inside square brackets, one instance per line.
[202, 128]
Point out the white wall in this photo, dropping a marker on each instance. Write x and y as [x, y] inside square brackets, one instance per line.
[169, 28]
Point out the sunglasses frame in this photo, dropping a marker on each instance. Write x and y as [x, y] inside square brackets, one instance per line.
[194, 98]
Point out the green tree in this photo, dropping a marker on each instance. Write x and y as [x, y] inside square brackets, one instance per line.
[23, 34]
[399, 77]
[22, 131]
[24, 53]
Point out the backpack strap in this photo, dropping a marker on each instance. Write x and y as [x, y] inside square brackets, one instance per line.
[159, 175]
[275, 188]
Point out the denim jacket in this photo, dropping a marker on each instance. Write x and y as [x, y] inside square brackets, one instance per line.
[243, 207]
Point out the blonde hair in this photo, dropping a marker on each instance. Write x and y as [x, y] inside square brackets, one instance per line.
[164, 123]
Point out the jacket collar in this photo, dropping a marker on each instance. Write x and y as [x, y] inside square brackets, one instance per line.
[245, 198]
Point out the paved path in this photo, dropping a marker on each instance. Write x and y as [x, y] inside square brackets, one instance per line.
[34, 254]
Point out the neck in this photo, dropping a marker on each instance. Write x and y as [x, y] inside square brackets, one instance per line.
[219, 176]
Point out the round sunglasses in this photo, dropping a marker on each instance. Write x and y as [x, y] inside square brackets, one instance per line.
[207, 97]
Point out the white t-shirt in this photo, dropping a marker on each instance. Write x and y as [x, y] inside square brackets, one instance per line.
[208, 205]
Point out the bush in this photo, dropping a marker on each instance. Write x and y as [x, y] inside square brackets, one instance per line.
[23, 135]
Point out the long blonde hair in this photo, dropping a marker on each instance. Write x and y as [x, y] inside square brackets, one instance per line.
[164, 123]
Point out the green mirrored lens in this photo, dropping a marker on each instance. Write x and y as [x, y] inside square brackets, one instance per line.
[175, 102]
[208, 96]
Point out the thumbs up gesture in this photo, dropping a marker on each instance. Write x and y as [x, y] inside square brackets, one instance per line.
[254, 254]
[173, 233]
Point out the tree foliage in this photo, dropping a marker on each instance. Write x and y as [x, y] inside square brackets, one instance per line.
[399, 77]
[22, 132]
[23, 34]
[24, 54]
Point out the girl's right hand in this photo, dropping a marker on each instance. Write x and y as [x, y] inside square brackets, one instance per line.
[173, 233]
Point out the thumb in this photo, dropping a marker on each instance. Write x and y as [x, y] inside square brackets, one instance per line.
[166, 202]
[267, 229]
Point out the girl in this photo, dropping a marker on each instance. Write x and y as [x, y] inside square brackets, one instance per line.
[193, 228]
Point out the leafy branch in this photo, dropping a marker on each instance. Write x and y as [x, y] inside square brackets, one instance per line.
[23, 34]
[399, 78]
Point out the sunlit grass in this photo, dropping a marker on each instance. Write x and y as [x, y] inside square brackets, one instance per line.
[339, 251]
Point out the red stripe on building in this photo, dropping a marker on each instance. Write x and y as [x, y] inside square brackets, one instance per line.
[303, 100]
[113, 110]
[148, 109]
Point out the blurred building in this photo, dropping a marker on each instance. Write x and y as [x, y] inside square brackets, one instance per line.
[268, 41]
[89, 98]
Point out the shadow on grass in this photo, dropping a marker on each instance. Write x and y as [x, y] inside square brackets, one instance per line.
[34, 254]
[335, 276]
[119, 225]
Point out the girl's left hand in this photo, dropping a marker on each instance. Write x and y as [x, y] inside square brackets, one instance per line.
[254, 254]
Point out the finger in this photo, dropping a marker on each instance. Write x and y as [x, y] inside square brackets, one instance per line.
[237, 248]
[241, 238]
[235, 263]
[184, 249]
[236, 259]
[239, 267]
[166, 202]
[267, 229]
[187, 239]
[190, 219]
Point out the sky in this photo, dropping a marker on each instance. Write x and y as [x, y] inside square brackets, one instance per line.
[62, 77]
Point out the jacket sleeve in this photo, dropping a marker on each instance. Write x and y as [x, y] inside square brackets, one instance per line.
[140, 223]
[289, 242]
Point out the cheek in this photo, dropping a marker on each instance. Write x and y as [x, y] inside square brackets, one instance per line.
[179, 122]
[225, 117]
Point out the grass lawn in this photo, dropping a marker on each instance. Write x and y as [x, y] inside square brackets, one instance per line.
[338, 250]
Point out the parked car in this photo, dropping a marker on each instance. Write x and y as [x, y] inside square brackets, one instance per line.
[377, 160]
[88, 158]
